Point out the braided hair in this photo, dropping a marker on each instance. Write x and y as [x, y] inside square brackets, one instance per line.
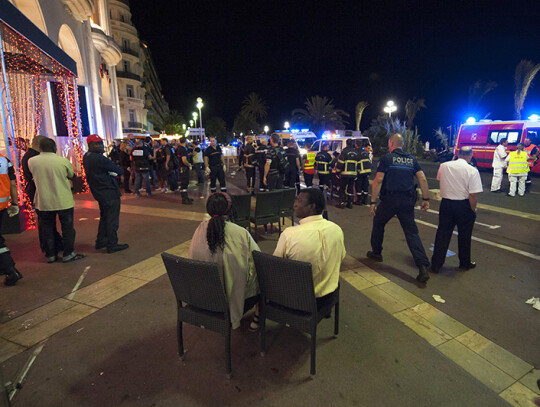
[218, 206]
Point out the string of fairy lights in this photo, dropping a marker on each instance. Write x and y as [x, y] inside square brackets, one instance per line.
[28, 71]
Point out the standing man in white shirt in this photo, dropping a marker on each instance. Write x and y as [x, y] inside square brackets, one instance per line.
[316, 241]
[460, 182]
[498, 165]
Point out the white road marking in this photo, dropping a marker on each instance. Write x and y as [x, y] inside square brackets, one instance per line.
[79, 282]
[476, 223]
[27, 367]
[500, 246]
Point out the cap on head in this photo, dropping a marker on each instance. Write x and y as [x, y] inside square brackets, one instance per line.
[94, 138]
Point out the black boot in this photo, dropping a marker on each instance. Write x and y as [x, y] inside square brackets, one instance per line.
[349, 201]
[12, 276]
[358, 199]
[423, 276]
[185, 199]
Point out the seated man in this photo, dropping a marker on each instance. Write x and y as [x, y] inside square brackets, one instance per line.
[219, 241]
[316, 241]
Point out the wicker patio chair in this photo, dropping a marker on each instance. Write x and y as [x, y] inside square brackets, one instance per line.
[286, 208]
[200, 299]
[267, 209]
[242, 210]
[288, 297]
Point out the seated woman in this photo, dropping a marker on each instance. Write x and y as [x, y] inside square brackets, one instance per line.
[229, 245]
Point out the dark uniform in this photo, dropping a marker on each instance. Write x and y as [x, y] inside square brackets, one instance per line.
[105, 190]
[347, 163]
[260, 153]
[250, 163]
[274, 179]
[323, 164]
[292, 179]
[183, 174]
[362, 179]
[216, 168]
[141, 159]
[398, 197]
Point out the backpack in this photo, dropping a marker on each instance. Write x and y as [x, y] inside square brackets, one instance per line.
[283, 161]
[173, 161]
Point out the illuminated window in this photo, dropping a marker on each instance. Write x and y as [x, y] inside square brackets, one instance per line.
[495, 136]
[534, 135]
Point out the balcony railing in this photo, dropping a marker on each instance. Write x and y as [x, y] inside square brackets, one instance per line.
[135, 125]
[128, 75]
[130, 52]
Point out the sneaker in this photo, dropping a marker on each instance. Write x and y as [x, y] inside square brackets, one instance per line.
[117, 248]
[72, 257]
[254, 325]
[374, 256]
[12, 277]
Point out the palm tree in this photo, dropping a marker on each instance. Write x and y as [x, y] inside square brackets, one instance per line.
[411, 109]
[172, 123]
[360, 107]
[320, 114]
[525, 73]
[477, 91]
[254, 106]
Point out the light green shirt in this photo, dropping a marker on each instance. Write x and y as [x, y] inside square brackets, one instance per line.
[53, 189]
[235, 263]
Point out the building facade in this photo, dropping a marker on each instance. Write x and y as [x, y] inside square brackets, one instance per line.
[82, 29]
[158, 108]
[130, 70]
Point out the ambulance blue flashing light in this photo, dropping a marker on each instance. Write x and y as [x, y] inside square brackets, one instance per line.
[471, 120]
[534, 117]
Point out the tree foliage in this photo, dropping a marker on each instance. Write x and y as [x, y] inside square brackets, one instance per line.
[172, 123]
[383, 127]
[477, 91]
[320, 114]
[254, 107]
[244, 123]
[411, 110]
[525, 73]
[216, 127]
[441, 138]
[360, 107]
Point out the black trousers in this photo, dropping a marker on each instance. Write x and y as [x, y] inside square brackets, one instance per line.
[347, 187]
[219, 174]
[451, 214]
[308, 179]
[262, 185]
[324, 180]
[183, 177]
[109, 217]
[291, 176]
[48, 218]
[402, 205]
[6, 261]
[274, 180]
[127, 174]
[250, 177]
[362, 183]
[42, 238]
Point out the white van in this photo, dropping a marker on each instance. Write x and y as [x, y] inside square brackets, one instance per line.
[337, 144]
[303, 139]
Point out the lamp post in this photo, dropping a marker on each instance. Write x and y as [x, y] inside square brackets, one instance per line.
[390, 108]
[266, 129]
[191, 123]
[200, 106]
[287, 125]
[195, 116]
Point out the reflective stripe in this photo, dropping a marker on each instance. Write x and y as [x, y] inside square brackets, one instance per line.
[325, 165]
[4, 250]
[363, 170]
[517, 164]
[4, 199]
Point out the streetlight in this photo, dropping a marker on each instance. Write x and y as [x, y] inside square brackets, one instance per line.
[390, 108]
[191, 123]
[287, 125]
[266, 128]
[200, 106]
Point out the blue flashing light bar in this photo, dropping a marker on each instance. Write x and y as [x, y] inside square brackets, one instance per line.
[471, 120]
[534, 117]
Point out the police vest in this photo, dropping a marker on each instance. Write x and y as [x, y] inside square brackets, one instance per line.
[517, 163]
[364, 165]
[323, 161]
[5, 183]
[529, 151]
[348, 162]
[309, 165]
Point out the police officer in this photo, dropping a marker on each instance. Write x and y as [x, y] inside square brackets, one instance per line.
[273, 172]
[141, 157]
[260, 153]
[395, 182]
[184, 166]
[364, 171]
[8, 189]
[292, 180]
[101, 175]
[215, 166]
[323, 161]
[250, 161]
[346, 166]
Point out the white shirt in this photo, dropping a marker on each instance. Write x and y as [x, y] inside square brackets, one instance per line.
[498, 157]
[458, 179]
[319, 242]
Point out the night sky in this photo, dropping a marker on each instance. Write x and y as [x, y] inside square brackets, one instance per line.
[348, 51]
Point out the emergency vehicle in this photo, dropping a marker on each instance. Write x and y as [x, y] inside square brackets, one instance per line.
[303, 139]
[485, 135]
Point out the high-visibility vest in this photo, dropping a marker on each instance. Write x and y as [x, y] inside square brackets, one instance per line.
[309, 165]
[322, 163]
[517, 163]
[364, 166]
[529, 150]
[5, 183]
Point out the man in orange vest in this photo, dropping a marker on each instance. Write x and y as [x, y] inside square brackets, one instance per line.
[309, 169]
[532, 153]
[8, 188]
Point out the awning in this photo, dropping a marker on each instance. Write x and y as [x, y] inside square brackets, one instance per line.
[12, 17]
